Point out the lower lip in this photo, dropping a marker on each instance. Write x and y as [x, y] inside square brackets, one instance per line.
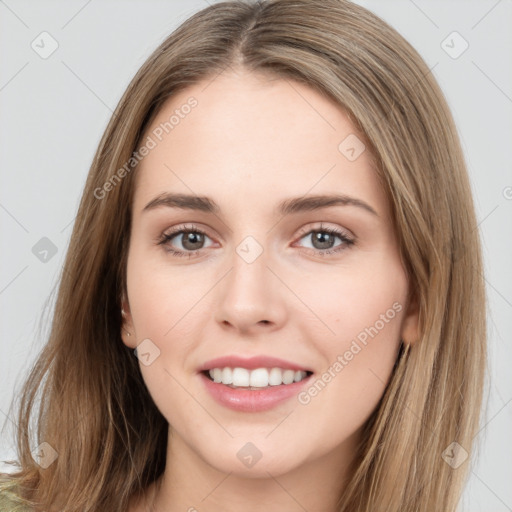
[247, 400]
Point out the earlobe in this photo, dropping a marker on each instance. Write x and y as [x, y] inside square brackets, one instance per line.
[410, 323]
[127, 334]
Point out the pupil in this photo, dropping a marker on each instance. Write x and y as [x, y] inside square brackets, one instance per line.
[192, 239]
[324, 239]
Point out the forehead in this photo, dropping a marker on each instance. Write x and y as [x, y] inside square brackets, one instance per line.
[253, 136]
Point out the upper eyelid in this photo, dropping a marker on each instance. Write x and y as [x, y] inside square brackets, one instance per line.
[340, 230]
[194, 227]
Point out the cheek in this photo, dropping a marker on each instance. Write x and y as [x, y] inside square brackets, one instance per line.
[161, 304]
[349, 300]
[168, 306]
[364, 309]
[162, 298]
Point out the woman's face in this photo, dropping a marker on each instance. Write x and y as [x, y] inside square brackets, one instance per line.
[262, 249]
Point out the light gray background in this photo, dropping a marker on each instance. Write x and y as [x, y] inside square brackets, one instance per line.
[54, 110]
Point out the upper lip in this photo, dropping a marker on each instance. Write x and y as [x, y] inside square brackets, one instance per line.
[251, 363]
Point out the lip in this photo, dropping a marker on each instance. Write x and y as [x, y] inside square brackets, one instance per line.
[245, 400]
[251, 363]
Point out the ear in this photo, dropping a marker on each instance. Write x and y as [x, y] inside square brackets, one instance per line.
[410, 323]
[127, 330]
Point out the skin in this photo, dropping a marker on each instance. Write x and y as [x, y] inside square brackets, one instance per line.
[251, 142]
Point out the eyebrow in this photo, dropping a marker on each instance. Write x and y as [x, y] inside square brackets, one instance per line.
[286, 207]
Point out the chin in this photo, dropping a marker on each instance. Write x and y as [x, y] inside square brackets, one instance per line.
[252, 459]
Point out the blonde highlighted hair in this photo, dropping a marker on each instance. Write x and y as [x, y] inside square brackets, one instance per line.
[95, 410]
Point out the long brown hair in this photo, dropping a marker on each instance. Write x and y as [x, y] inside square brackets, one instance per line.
[95, 410]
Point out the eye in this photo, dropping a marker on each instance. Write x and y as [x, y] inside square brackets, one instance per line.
[323, 240]
[190, 238]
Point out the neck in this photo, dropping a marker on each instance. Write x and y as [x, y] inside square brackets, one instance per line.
[190, 484]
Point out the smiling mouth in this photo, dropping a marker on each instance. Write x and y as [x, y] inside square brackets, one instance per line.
[256, 379]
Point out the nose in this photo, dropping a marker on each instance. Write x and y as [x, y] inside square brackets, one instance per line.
[251, 299]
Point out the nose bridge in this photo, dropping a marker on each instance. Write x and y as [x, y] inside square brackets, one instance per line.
[248, 282]
[249, 294]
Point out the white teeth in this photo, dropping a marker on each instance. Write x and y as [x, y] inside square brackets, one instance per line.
[227, 376]
[241, 377]
[275, 377]
[288, 376]
[217, 375]
[257, 378]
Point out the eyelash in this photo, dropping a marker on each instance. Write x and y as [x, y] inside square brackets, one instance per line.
[167, 237]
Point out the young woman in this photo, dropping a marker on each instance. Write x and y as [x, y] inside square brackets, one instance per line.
[273, 295]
